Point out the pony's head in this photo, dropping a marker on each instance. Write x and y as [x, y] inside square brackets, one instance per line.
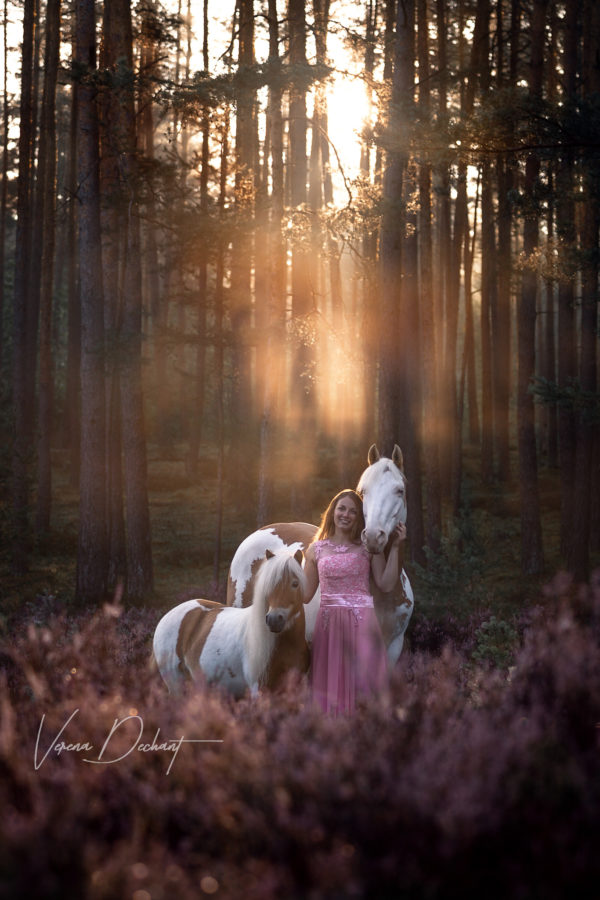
[280, 586]
[383, 489]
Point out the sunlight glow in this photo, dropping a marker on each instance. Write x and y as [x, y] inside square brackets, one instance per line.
[348, 114]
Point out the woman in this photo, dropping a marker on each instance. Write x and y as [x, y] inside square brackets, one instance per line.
[349, 658]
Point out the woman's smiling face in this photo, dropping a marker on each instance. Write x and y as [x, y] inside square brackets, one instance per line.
[344, 515]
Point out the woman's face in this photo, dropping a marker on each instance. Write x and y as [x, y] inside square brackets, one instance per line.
[345, 514]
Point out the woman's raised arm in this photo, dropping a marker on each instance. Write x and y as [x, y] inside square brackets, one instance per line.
[311, 572]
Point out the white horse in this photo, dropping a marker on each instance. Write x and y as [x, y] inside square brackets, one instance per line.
[383, 489]
[239, 648]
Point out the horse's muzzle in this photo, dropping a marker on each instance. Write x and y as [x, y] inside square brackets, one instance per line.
[276, 620]
[374, 539]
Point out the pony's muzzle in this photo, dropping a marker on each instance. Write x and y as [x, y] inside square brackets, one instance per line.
[374, 539]
[276, 619]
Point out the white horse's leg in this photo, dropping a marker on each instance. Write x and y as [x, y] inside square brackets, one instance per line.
[402, 614]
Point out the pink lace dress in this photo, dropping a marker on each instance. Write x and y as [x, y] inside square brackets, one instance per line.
[349, 658]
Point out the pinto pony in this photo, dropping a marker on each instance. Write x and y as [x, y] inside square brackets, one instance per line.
[239, 649]
[382, 486]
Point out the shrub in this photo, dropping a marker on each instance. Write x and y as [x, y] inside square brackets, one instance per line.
[433, 791]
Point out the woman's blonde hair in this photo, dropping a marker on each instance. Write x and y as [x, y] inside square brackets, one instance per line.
[327, 527]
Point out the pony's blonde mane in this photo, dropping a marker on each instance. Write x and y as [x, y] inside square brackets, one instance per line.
[278, 569]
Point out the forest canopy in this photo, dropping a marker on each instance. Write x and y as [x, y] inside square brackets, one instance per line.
[252, 229]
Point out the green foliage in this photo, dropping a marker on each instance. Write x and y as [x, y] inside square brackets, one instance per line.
[496, 643]
[452, 579]
[570, 396]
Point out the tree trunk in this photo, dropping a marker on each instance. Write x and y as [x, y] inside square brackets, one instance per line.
[567, 238]
[302, 389]
[23, 362]
[200, 360]
[488, 261]
[531, 532]
[501, 328]
[47, 181]
[4, 176]
[243, 446]
[92, 549]
[399, 326]
[579, 551]
[72, 417]
[139, 582]
[429, 337]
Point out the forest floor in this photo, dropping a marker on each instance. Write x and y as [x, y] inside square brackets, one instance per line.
[477, 571]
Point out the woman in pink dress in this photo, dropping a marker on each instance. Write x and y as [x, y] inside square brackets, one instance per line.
[349, 658]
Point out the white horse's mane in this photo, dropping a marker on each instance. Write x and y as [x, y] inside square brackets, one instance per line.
[382, 465]
[260, 641]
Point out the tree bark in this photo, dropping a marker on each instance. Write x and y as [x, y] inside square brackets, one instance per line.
[578, 560]
[429, 336]
[566, 234]
[23, 341]
[531, 531]
[92, 547]
[47, 184]
[302, 369]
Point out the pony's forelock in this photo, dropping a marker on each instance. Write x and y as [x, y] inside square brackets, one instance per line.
[282, 566]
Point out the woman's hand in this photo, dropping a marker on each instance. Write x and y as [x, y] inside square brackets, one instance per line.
[398, 534]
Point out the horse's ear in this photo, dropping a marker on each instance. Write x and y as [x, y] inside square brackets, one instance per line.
[398, 458]
[269, 555]
[298, 556]
[373, 454]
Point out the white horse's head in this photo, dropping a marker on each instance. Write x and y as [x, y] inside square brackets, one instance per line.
[383, 489]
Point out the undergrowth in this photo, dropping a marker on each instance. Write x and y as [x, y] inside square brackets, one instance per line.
[464, 780]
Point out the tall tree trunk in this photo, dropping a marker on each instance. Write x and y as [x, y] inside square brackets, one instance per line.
[92, 548]
[200, 360]
[47, 180]
[399, 387]
[139, 581]
[273, 311]
[429, 337]
[72, 416]
[155, 293]
[4, 177]
[219, 353]
[501, 328]
[243, 447]
[567, 238]
[531, 531]
[488, 266]
[470, 363]
[22, 340]
[303, 394]
[113, 214]
[579, 550]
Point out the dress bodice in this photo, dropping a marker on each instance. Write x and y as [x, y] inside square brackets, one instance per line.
[343, 574]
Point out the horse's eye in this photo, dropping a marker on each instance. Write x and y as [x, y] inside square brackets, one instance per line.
[294, 584]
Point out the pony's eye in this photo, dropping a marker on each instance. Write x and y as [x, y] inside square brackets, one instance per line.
[294, 584]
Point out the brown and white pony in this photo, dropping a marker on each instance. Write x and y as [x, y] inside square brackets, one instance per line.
[239, 649]
[383, 489]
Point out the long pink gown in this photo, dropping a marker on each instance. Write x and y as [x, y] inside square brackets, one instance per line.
[349, 658]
